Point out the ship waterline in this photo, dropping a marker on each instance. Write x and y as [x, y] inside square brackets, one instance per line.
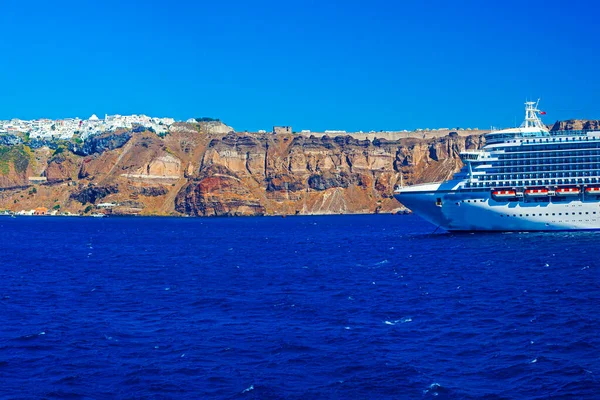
[524, 179]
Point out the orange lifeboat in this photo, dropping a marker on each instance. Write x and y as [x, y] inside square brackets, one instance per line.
[536, 192]
[504, 194]
[593, 190]
[573, 191]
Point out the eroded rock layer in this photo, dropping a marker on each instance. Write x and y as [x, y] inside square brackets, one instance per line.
[200, 170]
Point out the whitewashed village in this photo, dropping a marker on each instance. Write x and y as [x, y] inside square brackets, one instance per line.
[67, 128]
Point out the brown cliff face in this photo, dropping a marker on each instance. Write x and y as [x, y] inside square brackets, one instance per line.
[576, 124]
[198, 171]
[286, 174]
[433, 160]
[16, 165]
[62, 167]
[218, 191]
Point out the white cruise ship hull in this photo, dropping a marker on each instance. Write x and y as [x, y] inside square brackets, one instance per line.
[523, 179]
[454, 210]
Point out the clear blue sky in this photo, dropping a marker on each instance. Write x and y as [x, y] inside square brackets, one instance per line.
[352, 65]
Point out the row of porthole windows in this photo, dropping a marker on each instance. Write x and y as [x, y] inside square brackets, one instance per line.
[580, 138]
[543, 165]
[504, 158]
[546, 175]
[540, 153]
[525, 152]
[544, 140]
[547, 214]
[548, 164]
[532, 182]
[589, 169]
[542, 160]
[538, 181]
[519, 152]
[569, 146]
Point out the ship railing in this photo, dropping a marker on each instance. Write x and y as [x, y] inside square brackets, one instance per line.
[500, 138]
[471, 155]
[581, 132]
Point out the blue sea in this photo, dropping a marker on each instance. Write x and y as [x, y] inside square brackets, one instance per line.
[336, 307]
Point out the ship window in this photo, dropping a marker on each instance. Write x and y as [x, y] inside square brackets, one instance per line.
[438, 202]
[553, 213]
[520, 215]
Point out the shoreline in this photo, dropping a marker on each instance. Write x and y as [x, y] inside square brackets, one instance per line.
[407, 212]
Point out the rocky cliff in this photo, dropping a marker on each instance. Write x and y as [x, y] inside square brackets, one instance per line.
[287, 174]
[205, 169]
[576, 124]
[16, 163]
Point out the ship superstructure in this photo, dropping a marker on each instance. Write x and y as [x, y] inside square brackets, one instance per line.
[523, 179]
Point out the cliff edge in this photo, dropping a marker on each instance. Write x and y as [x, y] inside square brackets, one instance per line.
[206, 169]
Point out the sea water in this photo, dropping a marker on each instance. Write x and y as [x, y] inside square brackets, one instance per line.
[365, 307]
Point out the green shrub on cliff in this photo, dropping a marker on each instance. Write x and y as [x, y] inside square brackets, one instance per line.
[207, 119]
[19, 156]
[62, 147]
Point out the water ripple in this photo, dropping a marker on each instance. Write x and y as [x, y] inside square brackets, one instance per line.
[326, 307]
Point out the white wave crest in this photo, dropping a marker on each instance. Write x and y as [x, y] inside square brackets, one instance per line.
[251, 387]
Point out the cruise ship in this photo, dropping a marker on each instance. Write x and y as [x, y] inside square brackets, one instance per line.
[523, 179]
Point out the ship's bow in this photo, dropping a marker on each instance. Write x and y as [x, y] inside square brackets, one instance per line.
[426, 201]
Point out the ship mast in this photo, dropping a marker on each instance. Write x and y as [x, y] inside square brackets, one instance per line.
[532, 120]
